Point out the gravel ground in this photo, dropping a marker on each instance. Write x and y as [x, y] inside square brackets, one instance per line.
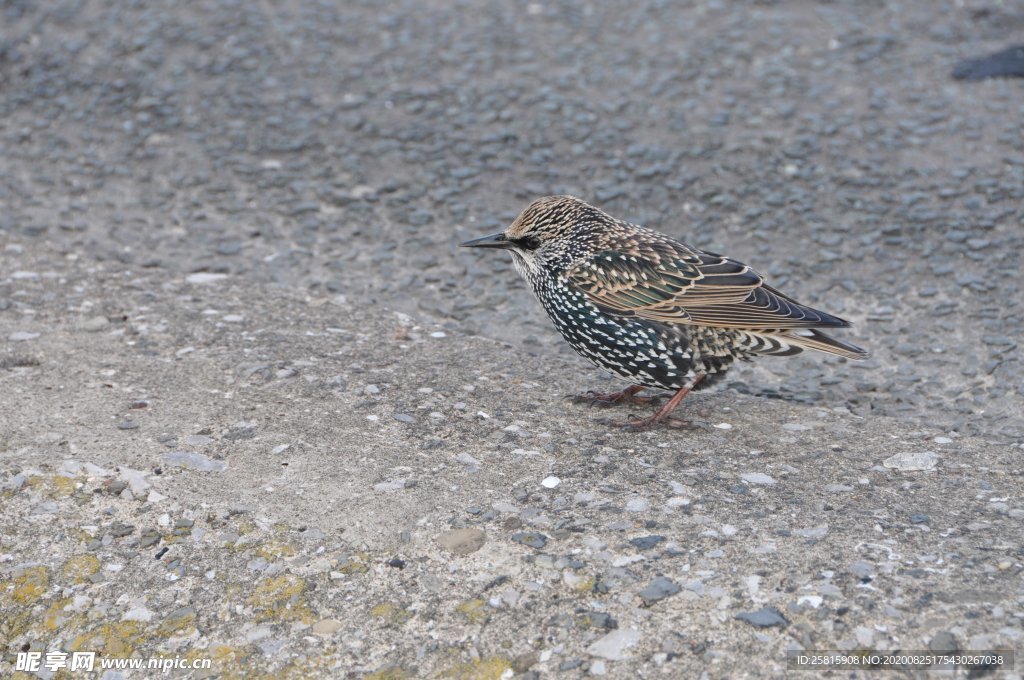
[298, 489]
[347, 149]
[311, 168]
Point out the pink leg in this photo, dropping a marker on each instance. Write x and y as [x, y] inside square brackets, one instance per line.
[663, 412]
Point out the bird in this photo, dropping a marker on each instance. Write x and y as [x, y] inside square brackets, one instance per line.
[650, 309]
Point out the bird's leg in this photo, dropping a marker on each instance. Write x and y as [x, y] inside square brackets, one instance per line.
[611, 398]
[663, 412]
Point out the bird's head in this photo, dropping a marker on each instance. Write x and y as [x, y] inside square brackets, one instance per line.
[547, 234]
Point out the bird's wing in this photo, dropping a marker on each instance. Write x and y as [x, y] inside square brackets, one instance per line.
[665, 281]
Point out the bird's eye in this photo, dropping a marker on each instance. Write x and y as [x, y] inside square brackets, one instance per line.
[528, 243]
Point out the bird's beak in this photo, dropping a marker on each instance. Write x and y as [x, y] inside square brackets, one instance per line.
[493, 241]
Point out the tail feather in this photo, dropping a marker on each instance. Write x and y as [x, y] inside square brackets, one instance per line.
[787, 342]
[810, 338]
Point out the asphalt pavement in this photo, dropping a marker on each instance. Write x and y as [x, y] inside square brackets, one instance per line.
[227, 228]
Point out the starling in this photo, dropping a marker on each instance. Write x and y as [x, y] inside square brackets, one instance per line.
[657, 312]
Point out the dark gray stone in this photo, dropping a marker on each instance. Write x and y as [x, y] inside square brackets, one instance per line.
[764, 618]
[532, 539]
[658, 589]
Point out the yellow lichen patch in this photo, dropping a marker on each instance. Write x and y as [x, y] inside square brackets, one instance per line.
[179, 621]
[228, 662]
[113, 639]
[52, 486]
[272, 551]
[55, 615]
[79, 568]
[218, 653]
[391, 614]
[61, 486]
[281, 598]
[246, 526]
[174, 538]
[473, 610]
[307, 668]
[82, 535]
[28, 586]
[491, 668]
[584, 585]
[355, 564]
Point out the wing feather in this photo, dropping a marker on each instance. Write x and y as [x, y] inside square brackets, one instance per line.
[666, 281]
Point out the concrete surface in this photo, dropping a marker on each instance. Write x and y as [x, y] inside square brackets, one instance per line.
[256, 407]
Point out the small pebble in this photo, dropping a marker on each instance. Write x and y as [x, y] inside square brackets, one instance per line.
[95, 324]
[326, 627]
[658, 589]
[532, 539]
[646, 542]
[194, 461]
[21, 336]
[613, 646]
[757, 478]
[912, 462]
[638, 504]
[205, 277]
[462, 541]
[764, 618]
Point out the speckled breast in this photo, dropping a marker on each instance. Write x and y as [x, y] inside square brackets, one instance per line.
[643, 352]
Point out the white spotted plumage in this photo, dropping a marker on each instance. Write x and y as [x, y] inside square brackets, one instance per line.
[649, 308]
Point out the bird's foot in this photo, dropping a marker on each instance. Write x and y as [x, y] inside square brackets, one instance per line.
[628, 395]
[641, 424]
[664, 413]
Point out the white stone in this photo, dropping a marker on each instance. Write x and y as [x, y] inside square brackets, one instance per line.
[812, 532]
[912, 462]
[638, 504]
[205, 277]
[757, 478]
[95, 470]
[390, 486]
[138, 614]
[136, 480]
[613, 646]
[550, 482]
[467, 459]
